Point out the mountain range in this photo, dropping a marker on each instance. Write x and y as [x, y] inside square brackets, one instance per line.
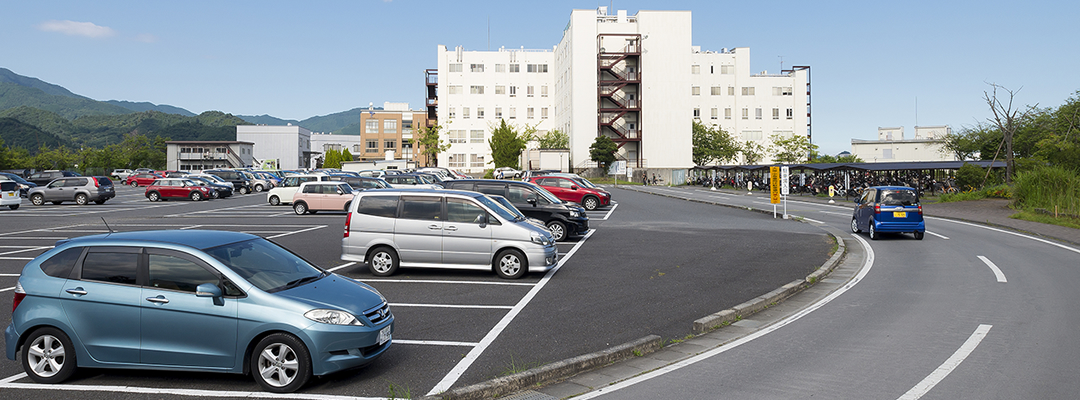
[54, 115]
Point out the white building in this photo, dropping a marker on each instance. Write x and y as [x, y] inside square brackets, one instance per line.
[289, 146]
[892, 146]
[637, 79]
[193, 155]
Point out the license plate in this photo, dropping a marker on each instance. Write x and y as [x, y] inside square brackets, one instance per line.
[9, 194]
[384, 335]
[899, 214]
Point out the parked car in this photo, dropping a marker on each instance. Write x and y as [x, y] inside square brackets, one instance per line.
[444, 174]
[9, 194]
[82, 190]
[24, 185]
[142, 179]
[506, 173]
[283, 194]
[410, 181]
[313, 197]
[365, 183]
[258, 182]
[44, 177]
[394, 228]
[888, 209]
[174, 174]
[215, 302]
[176, 188]
[240, 182]
[564, 220]
[121, 174]
[218, 189]
[514, 210]
[568, 189]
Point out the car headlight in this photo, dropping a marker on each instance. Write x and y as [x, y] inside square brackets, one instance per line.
[333, 317]
[574, 213]
[541, 239]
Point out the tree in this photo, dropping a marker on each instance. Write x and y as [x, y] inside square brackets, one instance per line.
[790, 150]
[602, 151]
[1008, 121]
[966, 142]
[713, 145]
[554, 139]
[507, 144]
[346, 156]
[332, 159]
[752, 152]
[428, 143]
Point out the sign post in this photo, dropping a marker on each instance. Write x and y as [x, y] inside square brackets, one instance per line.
[774, 188]
[785, 186]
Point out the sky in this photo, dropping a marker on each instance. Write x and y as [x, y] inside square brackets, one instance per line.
[873, 64]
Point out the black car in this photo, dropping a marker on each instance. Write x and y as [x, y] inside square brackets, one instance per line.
[44, 177]
[562, 219]
[240, 182]
[24, 185]
[220, 190]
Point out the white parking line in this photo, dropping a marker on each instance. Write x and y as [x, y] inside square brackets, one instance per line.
[435, 343]
[348, 264]
[449, 282]
[13, 378]
[182, 392]
[608, 215]
[295, 232]
[997, 272]
[949, 365]
[475, 353]
[4, 290]
[25, 250]
[461, 306]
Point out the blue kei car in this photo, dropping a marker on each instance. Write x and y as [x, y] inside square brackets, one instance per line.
[194, 301]
[888, 209]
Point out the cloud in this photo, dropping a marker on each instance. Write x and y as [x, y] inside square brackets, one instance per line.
[87, 29]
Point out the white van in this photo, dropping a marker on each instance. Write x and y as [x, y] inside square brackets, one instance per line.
[9, 194]
[391, 228]
[283, 193]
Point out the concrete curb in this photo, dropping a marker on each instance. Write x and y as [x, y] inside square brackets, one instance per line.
[553, 372]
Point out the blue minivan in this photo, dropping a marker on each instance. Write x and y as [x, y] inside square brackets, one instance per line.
[888, 209]
[191, 300]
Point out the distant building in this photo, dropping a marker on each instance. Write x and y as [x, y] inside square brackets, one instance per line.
[892, 146]
[289, 145]
[200, 155]
[389, 130]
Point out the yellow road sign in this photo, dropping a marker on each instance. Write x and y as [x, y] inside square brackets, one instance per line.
[774, 185]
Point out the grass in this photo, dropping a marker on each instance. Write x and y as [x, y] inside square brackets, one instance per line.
[514, 367]
[1068, 222]
[608, 180]
[398, 392]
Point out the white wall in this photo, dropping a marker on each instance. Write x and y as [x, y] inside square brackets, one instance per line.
[284, 143]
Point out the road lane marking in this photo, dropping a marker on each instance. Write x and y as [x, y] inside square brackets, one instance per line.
[949, 365]
[608, 215]
[435, 343]
[182, 392]
[808, 219]
[997, 272]
[295, 232]
[25, 250]
[451, 282]
[938, 235]
[835, 213]
[1074, 250]
[348, 264]
[461, 306]
[463, 365]
[867, 265]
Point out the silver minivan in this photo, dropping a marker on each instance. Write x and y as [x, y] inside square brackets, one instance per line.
[391, 228]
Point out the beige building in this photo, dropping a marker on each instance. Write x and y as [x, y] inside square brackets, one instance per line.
[387, 130]
[892, 146]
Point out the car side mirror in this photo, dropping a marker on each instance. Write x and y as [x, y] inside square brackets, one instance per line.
[339, 191]
[531, 200]
[481, 219]
[210, 290]
[573, 187]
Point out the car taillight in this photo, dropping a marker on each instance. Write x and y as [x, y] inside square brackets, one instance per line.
[920, 209]
[96, 183]
[348, 219]
[877, 208]
[20, 294]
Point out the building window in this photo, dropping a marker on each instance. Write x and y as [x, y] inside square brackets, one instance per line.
[751, 135]
[498, 112]
[457, 160]
[476, 67]
[745, 113]
[356, 148]
[476, 89]
[513, 91]
[390, 126]
[513, 112]
[479, 112]
[697, 113]
[390, 144]
[717, 91]
[727, 69]
[372, 146]
[727, 113]
[455, 89]
[457, 136]
[757, 113]
[500, 89]
[540, 68]
[785, 91]
[776, 113]
[715, 113]
[465, 112]
[515, 67]
[372, 125]
[790, 114]
[455, 67]
[477, 161]
[529, 112]
[748, 91]
[695, 69]
[500, 67]
[543, 91]
[452, 113]
[544, 113]
[476, 136]
[406, 127]
[529, 91]
[730, 90]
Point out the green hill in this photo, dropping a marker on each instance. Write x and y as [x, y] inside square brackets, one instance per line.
[14, 95]
[6, 75]
[268, 120]
[47, 121]
[147, 106]
[333, 122]
[18, 134]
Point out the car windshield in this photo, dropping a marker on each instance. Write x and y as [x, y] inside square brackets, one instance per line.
[584, 183]
[547, 195]
[266, 265]
[498, 209]
[16, 178]
[899, 198]
[509, 207]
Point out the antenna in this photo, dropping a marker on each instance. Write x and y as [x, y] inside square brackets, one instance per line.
[106, 225]
[781, 64]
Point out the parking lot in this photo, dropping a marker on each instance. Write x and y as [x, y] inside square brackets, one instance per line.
[651, 265]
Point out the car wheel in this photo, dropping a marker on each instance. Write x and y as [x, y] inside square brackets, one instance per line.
[281, 363]
[347, 204]
[383, 261]
[300, 208]
[14, 206]
[244, 190]
[214, 195]
[196, 196]
[274, 201]
[511, 264]
[258, 188]
[919, 235]
[37, 199]
[153, 196]
[558, 230]
[134, 184]
[590, 203]
[855, 225]
[81, 199]
[873, 232]
[48, 356]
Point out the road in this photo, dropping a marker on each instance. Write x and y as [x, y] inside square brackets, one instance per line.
[968, 312]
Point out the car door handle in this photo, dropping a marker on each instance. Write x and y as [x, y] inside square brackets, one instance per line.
[79, 291]
[158, 299]
[434, 227]
[451, 228]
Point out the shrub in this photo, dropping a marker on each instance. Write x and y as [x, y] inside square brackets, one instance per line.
[1048, 188]
[489, 174]
[969, 176]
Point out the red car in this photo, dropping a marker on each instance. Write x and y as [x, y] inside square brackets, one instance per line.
[141, 179]
[570, 189]
[176, 188]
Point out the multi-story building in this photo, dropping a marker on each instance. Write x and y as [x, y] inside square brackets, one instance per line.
[287, 146]
[199, 155]
[892, 146]
[389, 130]
[636, 79]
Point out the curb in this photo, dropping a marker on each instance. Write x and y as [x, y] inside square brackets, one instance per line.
[552, 372]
